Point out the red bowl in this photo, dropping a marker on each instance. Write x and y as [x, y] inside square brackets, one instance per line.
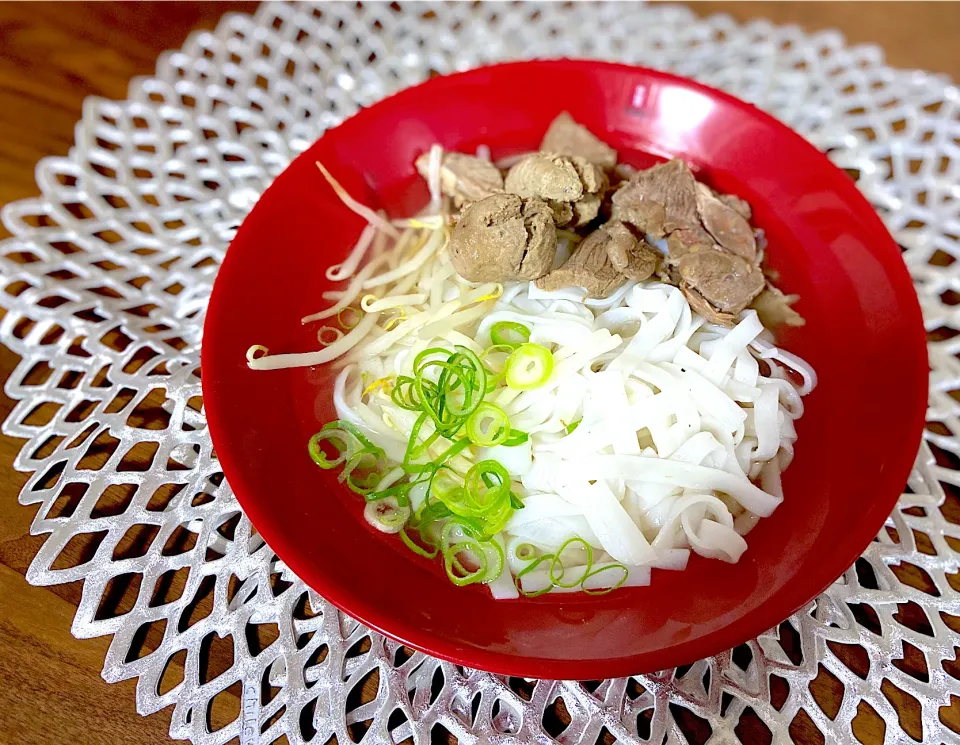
[857, 440]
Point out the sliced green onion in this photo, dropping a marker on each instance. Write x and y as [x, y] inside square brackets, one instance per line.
[460, 537]
[495, 376]
[445, 485]
[516, 437]
[429, 514]
[486, 487]
[451, 550]
[338, 439]
[400, 492]
[495, 569]
[459, 515]
[557, 563]
[423, 356]
[423, 519]
[416, 547]
[526, 552]
[529, 367]
[328, 335]
[488, 425]
[494, 522]
[370, 465]
[351, 324]
[605, 590]
[509, 334]
[496, 349]
[460, 384]
[416, 449]
[455, 449]
[526, 570]
[352, 429]
[339, 433]
[404, 393]
[387, 515]
[478, 379]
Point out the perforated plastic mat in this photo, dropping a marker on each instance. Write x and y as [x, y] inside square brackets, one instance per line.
[105, 284]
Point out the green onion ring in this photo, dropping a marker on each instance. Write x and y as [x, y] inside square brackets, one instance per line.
[516, 437]
[526, 570]
[497, 431]
[605, 590]
[557, 561]
[345, 324]
[319, 457]
[529, 367]
[499, 331]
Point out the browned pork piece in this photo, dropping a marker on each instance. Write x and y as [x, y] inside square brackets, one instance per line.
[504, 237]
[566, 137]
[464, 178]
[507, 229]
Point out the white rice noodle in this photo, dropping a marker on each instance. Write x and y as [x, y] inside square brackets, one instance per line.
[551, 532]
[602, 576]
[617, 533]
[503, 587]
[663, 471]
[803, 369]
[517, 459]
[611, 300]
[576, 294]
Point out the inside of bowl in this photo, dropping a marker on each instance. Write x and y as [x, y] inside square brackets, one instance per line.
[823, 241]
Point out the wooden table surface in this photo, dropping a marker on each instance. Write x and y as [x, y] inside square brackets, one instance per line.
[52, 56]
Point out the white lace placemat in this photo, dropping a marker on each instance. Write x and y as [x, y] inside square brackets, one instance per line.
[106, 281]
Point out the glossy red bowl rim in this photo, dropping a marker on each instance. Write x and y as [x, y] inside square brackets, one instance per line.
[763, 618]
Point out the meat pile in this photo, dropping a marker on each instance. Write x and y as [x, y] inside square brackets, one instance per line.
[508, 221]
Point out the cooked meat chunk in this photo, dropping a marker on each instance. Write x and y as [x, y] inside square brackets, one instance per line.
[589, 266]
[562, 213]
[736, 204]
[566, 137]
[572, 215]
[633, 258]
[571, 186]
[727, 226]
[623, 172]
[545, 176]
[503, 237]
[701, 306]
[464, 177]
[509, 220]
[668, 273]
[682, 242]
[585, 210]
[773, 308]
[726, 281]
[644, 214]
[670, 185]
[592, 177]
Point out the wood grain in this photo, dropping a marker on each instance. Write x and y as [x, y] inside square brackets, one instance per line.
[52, 56]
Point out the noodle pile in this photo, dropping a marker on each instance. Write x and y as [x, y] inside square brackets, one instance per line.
[652, 433]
